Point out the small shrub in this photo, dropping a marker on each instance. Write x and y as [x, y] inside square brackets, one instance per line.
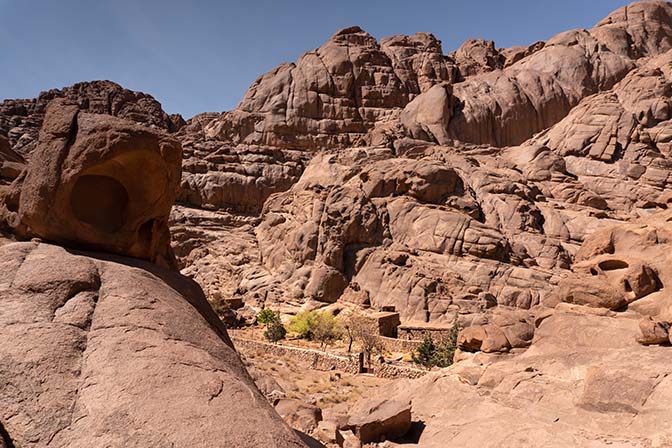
[437, 354]
[325, 329]
[302, 324]
[267, 316]
[275, 331]
[319, 326]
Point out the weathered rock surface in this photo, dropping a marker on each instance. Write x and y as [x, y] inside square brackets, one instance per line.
[522, 193]
[301, 416]
[580, 384]
[380, 420]
[333, 95]
[11, 163]
[506, 107]
[99, 182]
[21, 119]
[97, 349]
[100, 350]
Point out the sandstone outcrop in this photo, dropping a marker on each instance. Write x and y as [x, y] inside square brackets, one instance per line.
[333, 95]
[380, 420]
[581, 383]
[21, 119]
[101, 350]
[521, 193]
[97, 348]
[98, 182]
[506, 107]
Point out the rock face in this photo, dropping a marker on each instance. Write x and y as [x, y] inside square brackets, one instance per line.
[506, 107]
[521, 193]
[581, 383]
[381, 420]
[98, 182]
[96, 348]
[333, 95]
[21, 119]
[11, 163]
[102, 350]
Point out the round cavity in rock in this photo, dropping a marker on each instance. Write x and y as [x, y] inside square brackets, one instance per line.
[612, 265]
[100, 201]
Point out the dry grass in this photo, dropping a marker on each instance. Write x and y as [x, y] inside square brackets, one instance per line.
[325, 389]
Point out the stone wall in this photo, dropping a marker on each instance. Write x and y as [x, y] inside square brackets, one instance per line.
[418, 333]
[319, 360]
[316, 359]
[399, 345]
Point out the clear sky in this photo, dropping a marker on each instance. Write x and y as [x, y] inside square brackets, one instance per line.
[197, 55]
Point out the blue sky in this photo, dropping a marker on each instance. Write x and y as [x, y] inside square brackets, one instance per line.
[196, 56]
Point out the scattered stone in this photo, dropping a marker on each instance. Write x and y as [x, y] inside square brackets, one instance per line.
[380, 419]
[653, 332]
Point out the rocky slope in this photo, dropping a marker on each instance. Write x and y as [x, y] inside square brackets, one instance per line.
[521, 192]
[98, 348]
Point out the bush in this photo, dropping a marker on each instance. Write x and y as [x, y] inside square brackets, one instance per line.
[275, 331]
[325, 328]
[437, 354]
[315, 326]
[267, 316]
[302, 324]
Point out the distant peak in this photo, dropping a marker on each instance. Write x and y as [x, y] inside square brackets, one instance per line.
[349, 30]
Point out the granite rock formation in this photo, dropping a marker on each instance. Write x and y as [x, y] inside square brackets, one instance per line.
[98, 348]
[99, 182]
[21, 119]
[522, 193]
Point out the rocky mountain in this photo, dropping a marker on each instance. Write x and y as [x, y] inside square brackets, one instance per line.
[521, 193]
[104, 348]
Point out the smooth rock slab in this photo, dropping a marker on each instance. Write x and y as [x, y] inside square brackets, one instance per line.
[98, 350]
[380, 419]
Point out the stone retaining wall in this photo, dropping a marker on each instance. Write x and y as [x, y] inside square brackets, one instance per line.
[408, 332]
[319, 360]
[316, 359]
[399, 345]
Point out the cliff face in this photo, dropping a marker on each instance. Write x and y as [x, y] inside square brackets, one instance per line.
[438, 185]
[436, 181]
[512, 190]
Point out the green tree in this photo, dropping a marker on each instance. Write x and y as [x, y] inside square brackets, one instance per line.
[275, 331]
[267, 316]
[302, 324]
[325, 328]
[319, 326]
[439, 353]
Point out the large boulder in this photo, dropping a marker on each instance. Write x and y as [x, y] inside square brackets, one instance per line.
[380, 419]
[101, 350]
[98, 182]
[301, 416]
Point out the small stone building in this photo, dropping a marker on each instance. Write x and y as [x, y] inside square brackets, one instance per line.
[387, 322]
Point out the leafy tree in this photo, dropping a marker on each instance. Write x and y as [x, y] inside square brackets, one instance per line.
[267, 316]
[440, 353]
[275, 331]
[302, 324]
[319, 326]
[325, 328]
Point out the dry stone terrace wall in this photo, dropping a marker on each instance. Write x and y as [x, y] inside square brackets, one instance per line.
[319, 360]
